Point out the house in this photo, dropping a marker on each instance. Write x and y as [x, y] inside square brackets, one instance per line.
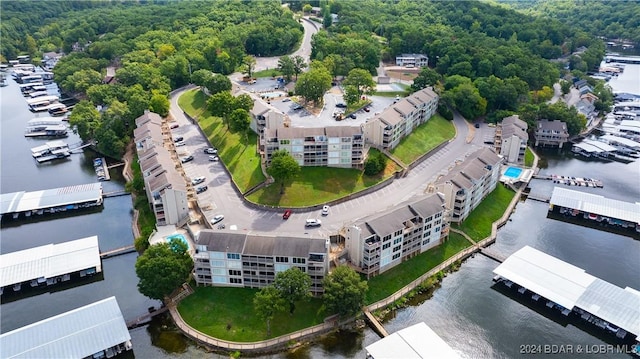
[333, 146]
[167, 190]
[412, 60]
[551, 133]
[469, 182]
[400, 119]
[234, 259]
[380, 242]
[511, 138]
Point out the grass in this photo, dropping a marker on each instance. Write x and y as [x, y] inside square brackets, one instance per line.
[236, 151]
[528, 158]
[227, 313]
[397, 277]
[266, 73]
[478, 224]
[317, 185]
[390, 93]
[424, 138]
[358, 105]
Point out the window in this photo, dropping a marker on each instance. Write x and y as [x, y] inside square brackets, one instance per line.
[426, 241]
[218, 271]
[386, 245]
[298, 260]
[397, 240]
[396, 256]
[284, 142]
[282, 259]
[426, 234]
[235, 280]
[235, 272]
[220, 280]
[217, 263]
[386, 238]
[233, 256]
[396, 248]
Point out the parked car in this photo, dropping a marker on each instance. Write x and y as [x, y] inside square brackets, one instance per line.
[366, 109]
[297, 107]
[213, 158]
[201, 189]
[174, 125]
[286, 214]
[353, 115]
[325, 210]
[186, 159]
[178, 139]
[210, 151]
[286, 100]
[477, 125]
[217, 218]
[341, 105]
[313, 223]
[197, 180]
[180, 144]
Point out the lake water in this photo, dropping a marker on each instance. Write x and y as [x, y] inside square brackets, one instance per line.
[478, 319]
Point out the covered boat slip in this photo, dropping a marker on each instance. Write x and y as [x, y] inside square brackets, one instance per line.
[596, 204]
[572, 288]
[49, 262]
[417, 341]
[22, 202]
[97, 329]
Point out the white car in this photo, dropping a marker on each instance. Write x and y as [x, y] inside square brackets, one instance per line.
[197, 180]
[213, 158]
[180, 144]
[217, 218]
[325, 210]
[313, 223]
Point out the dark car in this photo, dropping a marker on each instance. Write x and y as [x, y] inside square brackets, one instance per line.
[286, 214]
[175, 125]
[297, 107]
[186, 159]
[178, 139]
[353, 115]
[366, 109]
[341, 105]
[477, 125]
[201, 189]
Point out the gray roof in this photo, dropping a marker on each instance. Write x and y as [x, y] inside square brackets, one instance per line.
[555, 125]
[390, 222]
[259, 244]
[78, 333]
[425, 95]
[473, 167]
[231, 242]
[428, 205]
[343, 131]
[148, 117]
[25, 201]
[515, 120]
[259, 108]
[299, 132]
[514, 126]
[596, 204]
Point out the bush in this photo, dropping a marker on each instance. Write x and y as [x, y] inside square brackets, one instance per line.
[141, 243]
[375, 163]
[445, 112]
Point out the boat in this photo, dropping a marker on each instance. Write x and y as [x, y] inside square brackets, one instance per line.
[46, 126]
[57, 109]
[50, 151]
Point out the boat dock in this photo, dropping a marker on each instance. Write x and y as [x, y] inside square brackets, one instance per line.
[46, 126]
[572, 291]
[118, 252]
[145, 318]
[605, 211]
[375, 324]
[416, 341]
[101, 168]
[50, 151]
[49, 264]
[115, 194]
[97, 330]
[55, 200]
[490, 254]
[572, 181]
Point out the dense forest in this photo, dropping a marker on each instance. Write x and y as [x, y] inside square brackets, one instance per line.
[612, 19]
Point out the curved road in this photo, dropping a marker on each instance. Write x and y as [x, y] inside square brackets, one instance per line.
[310, 28]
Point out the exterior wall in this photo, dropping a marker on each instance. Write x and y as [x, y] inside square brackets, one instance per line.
[417, 60]
[176, 206]
[513, 149]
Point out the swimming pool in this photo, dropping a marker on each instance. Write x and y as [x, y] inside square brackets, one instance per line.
[177, 236]
[513, 172]
[274, 94]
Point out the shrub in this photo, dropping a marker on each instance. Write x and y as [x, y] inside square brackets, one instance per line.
[375, 163]
[445, 112]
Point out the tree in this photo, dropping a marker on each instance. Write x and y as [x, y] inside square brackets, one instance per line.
[81, 80]
[362, 80]
[221, 104]
[351, 94]
[239, 120]
[217, 83]
[427, 77]
[244, 102]
[159, 104]
[162, 268]
[307, 8]
[298, 65]
[293, 285]
[266, 303]
[565, 86]
[313, 84]
[375, 163]
[248, 65]
[286, 66]
[283, 167]
[200, 77]
[85, 119]
[344, 291]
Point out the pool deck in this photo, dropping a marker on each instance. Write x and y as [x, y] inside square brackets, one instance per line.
[162, 232]
[524, 175]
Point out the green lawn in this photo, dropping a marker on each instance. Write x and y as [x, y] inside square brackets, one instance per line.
[424, 138]
[478, 224]
[397, 277]
[227, 313]
[317, 185]
[267, 73]
[237, 152]
[390, 93]
[528, 158]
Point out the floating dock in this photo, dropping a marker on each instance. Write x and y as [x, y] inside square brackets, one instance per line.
[416, 341]
[50, 151]
[101, 168]
[572, 291]
[96, 330]
[49, 264]
[55, 200]
[625, 215]
[577, 181]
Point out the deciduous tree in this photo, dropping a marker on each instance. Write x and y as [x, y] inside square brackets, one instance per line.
[344, 291]
[283, 167]
[362, 80]
[266, 303]
[293, 285]
[159, 104]
[162, 268]
[286, 66]
[313, 84]
[217, 83]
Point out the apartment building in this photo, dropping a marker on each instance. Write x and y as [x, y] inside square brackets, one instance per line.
[412, 60]
[232, 259]
[511, 139]
[469, 182]
[165, 186]
[400, 119]
[381, 242]
[334, 146]
[551, 133]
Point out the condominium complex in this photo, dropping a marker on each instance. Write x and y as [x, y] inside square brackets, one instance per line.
[511, 139]
[400, 119]
[381, 242]
[551, 133]
[412, 60]
[165, 186]
[232, 259]
[334, 146]
[469, 182]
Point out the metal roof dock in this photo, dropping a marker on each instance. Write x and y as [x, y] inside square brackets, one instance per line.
[574, 290]
[51, 200]
[417, 341]
[596, 204]
[97, 330]
[46, 263]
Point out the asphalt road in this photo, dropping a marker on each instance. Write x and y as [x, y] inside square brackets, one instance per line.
[222, 198]
[310, 28]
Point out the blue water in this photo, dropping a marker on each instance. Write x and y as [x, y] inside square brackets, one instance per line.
[178, 236]
[513, 172]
